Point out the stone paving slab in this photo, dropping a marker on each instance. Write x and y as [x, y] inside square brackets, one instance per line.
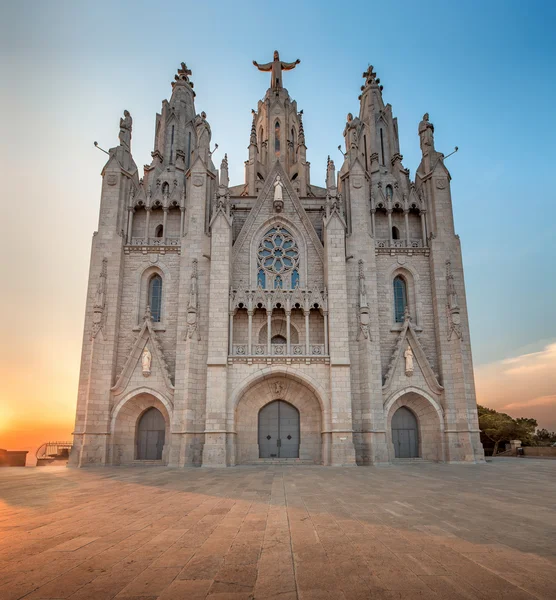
[271, 532]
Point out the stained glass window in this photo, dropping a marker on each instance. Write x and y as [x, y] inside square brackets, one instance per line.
[261, 279]
[400, 299]
[277, 255]
[155, 297]
[295, 278]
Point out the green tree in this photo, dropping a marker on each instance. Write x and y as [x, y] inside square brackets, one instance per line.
[500, 427]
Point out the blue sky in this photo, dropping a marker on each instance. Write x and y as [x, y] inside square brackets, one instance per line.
[485, 71]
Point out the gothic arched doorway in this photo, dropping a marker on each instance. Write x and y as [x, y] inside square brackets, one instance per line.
[279, 430]
[405, 433]
[151, 434]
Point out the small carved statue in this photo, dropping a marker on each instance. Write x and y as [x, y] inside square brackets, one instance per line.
[278, 195]
[426, 135]
[146, 359]
[278, 388]
[202, 129]
[351, 132]
[408, 355]
[330, 174]
[276, 67]
[125, 130]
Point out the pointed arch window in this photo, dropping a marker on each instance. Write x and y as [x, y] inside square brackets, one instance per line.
[261, 279]
[389, 193]
[277, 138]
[400, 298]
[155, 297]
[159, 231]
[395, 233]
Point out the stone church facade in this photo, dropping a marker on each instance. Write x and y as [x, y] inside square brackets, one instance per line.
[275, 320]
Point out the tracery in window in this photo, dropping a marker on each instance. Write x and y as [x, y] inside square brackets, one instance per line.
[277, 256]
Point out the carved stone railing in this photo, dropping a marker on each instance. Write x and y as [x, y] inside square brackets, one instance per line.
[413, 243]
[169, 240]
[261, 350]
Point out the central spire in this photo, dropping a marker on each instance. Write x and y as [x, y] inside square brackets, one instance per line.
[276, 67]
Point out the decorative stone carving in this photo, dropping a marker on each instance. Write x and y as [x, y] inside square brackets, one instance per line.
[146, 359]
[112, 178]
[183, 76]
[452, 305]
[278, 388]
[202, 129]
[100, 300]
[330, 174]
[351, 132]
[426, 135]
[363, 307]
[125, 130]
[224, 177]
[276, 67]
[408, 355]
[193, 305]
[441, 183]
[278, 203]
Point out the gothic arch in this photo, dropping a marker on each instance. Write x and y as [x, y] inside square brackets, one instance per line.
[413, 291]
[300, 238]
[125, 418]
[278, 327]
[278, 371]
[430, 418]
[143, 277]
[268, 385]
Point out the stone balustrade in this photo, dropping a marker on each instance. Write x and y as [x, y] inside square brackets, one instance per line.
[261, 350]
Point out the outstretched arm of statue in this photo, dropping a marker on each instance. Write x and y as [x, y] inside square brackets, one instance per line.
[289, 66]
[265, 67]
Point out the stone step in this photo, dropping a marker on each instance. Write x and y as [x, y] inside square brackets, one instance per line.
[282, 461]
[410, 461]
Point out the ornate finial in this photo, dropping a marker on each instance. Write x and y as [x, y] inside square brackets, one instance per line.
[183, 75]
[301, 137]
[147, 316]
[253, 136]
[361, 274]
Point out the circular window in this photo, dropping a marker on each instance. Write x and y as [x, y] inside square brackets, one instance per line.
[278, 252]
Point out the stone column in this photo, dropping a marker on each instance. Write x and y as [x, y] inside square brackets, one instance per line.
[250, 333]
[215, 452]
[164, 220]
[182, 219]
[306, 313]
[406, 219]
[325, 318]
[131, 212]
[423, 228]
[147, 223]
[339, 421]
[269, 331]
[231, 334]
[288, 332]
[389, 211]
[373, 226]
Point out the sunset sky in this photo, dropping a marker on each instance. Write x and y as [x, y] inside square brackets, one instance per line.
[483, 70]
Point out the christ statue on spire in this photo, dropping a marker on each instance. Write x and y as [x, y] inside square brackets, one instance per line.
[276, 66]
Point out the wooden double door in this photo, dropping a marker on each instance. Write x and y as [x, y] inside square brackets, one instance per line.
[279, 430]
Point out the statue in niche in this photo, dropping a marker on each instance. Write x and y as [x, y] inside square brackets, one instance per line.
[100, 300]
[276, 67]
[125, 130]
[351, 132]
[146, 359]
[408, 355]
[278, 194]
[426, 135]
[202, 129]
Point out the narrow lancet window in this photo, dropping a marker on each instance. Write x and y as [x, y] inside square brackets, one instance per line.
[159, 231]
[295, 279]
[400, 298]
[277, 138]
[261, 279]
[395, 233]
[155, 297]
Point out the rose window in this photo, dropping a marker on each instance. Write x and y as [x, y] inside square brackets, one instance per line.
[278, 252]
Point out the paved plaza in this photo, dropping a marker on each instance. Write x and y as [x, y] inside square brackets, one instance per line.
[406, 531]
